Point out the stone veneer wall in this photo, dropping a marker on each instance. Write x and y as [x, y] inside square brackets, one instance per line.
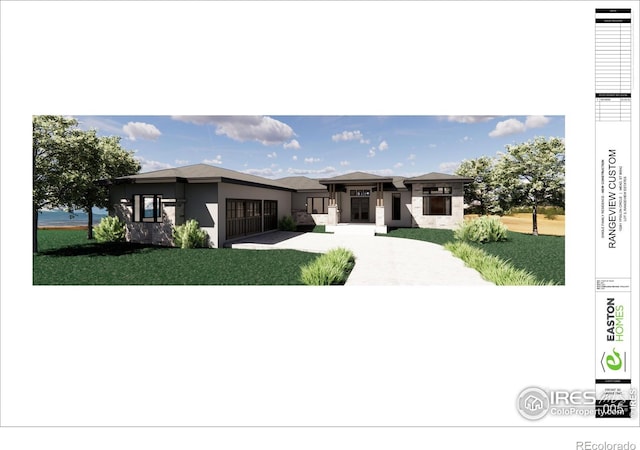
[155, 233]
[449, 222]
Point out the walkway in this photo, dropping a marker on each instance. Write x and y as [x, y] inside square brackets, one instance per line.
[380, 260]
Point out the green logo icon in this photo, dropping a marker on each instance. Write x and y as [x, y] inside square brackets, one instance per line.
[614, 362]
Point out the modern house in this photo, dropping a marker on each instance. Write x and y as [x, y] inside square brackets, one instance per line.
[229, 205]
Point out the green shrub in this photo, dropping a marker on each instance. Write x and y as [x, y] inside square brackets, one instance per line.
[189, 235]
[491, 267]
[481, 230]
[110, 229]
[287, 224]
[331, 268]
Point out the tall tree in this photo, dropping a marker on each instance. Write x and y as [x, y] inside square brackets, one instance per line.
[55, 142]
[111, 161]
[482, 190]
[68, 161]
[533, 173]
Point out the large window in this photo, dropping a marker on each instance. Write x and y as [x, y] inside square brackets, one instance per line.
[147, 208]
[436, 201]
[317, 205]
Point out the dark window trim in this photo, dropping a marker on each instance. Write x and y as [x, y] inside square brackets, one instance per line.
[325, 205]
[396, 206]
[138, 208]
[437, 190]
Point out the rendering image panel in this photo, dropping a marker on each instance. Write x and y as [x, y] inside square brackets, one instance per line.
[285, 200]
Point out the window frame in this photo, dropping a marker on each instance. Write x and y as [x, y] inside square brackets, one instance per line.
[311, 201]
[139, 210]
[396, 206]
[430, 193]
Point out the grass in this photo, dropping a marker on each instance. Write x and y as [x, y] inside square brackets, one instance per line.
[330, 268]
[541, 256]
[491, 267]
[67, 258]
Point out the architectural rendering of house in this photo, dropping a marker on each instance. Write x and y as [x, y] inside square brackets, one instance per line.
[230, 205]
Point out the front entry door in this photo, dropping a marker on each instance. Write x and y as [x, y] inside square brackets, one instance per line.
[360, 209]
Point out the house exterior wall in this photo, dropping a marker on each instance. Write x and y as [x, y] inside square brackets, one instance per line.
[156, 233]
[344, 200]
[405, 210]
[299, 209]
[201, 204]
[204, 202]
[448, 221]
[238, 191]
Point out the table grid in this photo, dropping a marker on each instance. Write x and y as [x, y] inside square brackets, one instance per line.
[613, 62]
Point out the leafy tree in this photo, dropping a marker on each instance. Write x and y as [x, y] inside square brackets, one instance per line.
[56, 162]
[68, 161]
[532, 173]
[482, 189]
[112, 162]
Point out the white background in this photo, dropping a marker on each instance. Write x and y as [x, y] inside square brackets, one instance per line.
[328, 359]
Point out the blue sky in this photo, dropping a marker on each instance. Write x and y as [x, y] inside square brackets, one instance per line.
[320, 146]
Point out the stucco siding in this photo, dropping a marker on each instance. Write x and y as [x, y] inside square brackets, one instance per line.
[405, 209]
[157, 233]
[299, 208]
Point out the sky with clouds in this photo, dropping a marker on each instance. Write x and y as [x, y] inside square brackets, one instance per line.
[320, 146]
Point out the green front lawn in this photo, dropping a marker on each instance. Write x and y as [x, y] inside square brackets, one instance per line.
[67, 258]
[542, 256]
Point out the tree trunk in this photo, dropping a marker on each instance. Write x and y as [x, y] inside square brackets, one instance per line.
[35, 229]
[535, 219]
[90, 223]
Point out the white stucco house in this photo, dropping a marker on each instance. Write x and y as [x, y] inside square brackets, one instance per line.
[230, 205]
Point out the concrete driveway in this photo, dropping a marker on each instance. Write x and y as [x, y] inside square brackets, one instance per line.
[380, 260]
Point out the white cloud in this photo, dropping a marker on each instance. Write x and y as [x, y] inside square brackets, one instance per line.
[512, 126]
[355, 135]
[506, 127]
[312, 160]
[181, 162]
[327, 170]
[344, 163]
[294, 144]
[372, 152]
[262, 129]
[448, 167]
[149, 165]
[432, 145]
[294, 157]
[412, 157]
[383, 146]
[272, 155]
[536, 121]
[141, 130]
[469, 119]
[398, 165]
[465, 139]
[267, 173]
[216, 160]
